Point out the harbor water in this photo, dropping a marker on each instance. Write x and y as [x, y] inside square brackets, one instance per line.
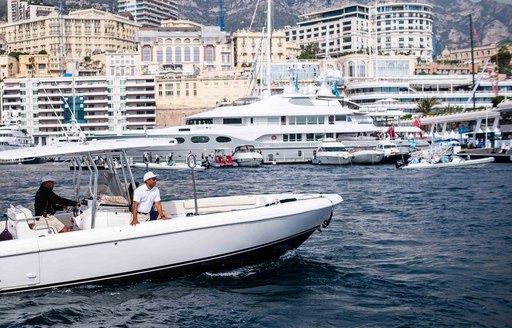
[405, 249]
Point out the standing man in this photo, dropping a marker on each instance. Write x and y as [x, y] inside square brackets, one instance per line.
[47, 203]
[143, 199]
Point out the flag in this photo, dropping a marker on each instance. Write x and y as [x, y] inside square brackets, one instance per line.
[417, 124]
[391, 131]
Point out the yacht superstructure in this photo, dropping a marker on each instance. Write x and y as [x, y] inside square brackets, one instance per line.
[286, 128]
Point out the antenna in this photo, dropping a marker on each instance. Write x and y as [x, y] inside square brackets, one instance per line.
[221, 15]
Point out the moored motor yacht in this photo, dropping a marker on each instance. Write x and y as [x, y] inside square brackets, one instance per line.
[332, 152]
[287, 128]
[247, 155]
[366, 156]
[209, 233]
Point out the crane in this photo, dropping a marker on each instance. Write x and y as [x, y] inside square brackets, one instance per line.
[221, 15]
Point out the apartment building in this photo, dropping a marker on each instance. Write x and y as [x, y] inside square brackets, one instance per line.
[149, 12]
[249, 44]
[401, 28]
[44, 106]
[187, 47]
[25, 10]
[82, 33]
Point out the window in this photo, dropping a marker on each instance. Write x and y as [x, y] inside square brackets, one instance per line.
[178, 55]
[200, 139]
[222, 139]
[196, 55]
[187, 54]
[232, 121]
[209, 55]
[180, 140]
[168, 55]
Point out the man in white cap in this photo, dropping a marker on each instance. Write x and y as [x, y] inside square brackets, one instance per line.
[143, 199]
[47, 203]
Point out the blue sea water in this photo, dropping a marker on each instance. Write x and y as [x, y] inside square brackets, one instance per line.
[404, 249]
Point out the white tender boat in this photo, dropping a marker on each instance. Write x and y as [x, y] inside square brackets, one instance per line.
[332, 152]
[366, 156]
[446, 162]
[247, 155]
[203, 234]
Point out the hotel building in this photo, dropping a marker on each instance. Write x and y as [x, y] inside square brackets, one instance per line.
[400, 28]
[83, 33]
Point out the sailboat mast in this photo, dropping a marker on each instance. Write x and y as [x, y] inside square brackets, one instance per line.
[269, 45]
[472, 57]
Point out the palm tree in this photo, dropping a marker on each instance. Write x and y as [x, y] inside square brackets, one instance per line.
[426, 105]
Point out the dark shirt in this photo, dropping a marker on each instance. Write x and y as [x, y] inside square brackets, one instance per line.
[48, 202]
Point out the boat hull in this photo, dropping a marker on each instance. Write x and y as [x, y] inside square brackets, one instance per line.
[161, 249]
[367, 157]
[472, 163]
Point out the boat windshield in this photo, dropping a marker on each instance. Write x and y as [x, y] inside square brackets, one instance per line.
[332, 149]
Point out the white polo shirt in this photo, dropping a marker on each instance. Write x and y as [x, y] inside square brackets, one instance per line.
[146, 198]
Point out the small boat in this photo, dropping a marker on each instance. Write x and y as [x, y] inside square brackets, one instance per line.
[332, 152]
[391, 151]
[201, 234]
[167, 166]
[222, 157]
[247, 155]
[366, 156]
[444, 162]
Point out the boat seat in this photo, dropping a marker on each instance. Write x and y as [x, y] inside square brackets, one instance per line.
[112, 200]
[209, 204]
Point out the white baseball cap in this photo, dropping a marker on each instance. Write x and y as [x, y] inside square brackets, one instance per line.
[149, 175]
[47, 178]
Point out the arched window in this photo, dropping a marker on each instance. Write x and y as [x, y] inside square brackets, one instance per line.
[362, 69]
[351, 69]
[197, 56]
[209, 54]
[168, 55]
[178, 55]
[146, 54]
[186, 41]
[187, 54]
[177, 41]
[160, 55]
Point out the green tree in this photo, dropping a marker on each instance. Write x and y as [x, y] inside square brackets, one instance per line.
[43, 52]
[309, 51]
[502, 59]
[425, 106]
[496, 100]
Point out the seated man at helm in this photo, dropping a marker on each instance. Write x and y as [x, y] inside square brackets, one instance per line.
[47, 202]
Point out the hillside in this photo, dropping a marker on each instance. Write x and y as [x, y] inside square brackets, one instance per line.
[491, 17]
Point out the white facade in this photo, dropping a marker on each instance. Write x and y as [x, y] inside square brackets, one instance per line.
[123, 64]
[186, 47]
[44, 106]
[391, 28]
[149, 12]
